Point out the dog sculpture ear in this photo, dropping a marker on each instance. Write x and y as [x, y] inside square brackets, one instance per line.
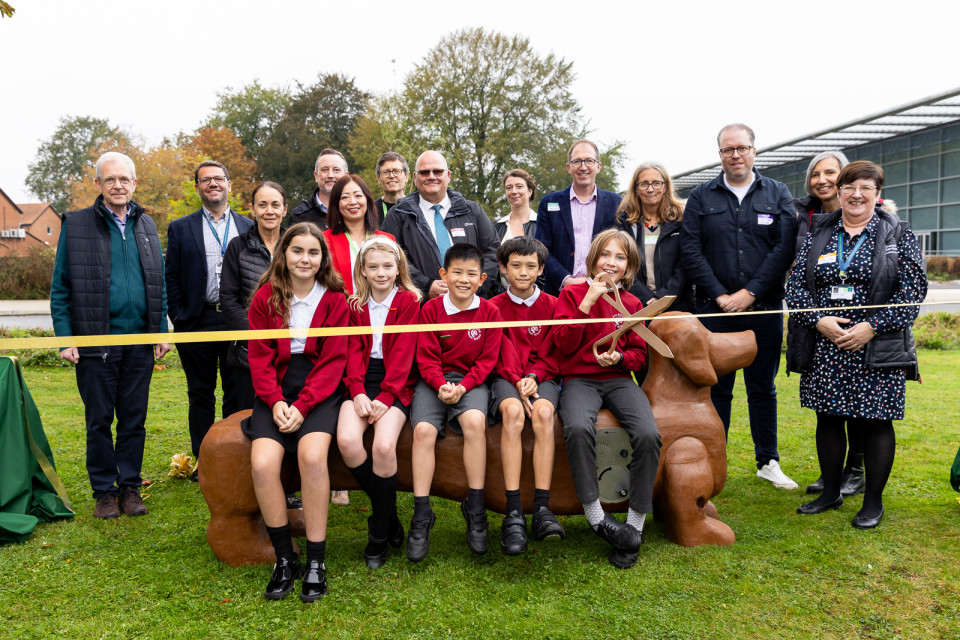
[692, 353]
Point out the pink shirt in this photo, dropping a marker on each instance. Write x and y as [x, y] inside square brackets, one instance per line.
[583, 214]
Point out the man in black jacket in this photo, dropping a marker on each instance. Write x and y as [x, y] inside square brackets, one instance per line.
[434, 217]
[330, 167]
[108, 279]
[737, 241]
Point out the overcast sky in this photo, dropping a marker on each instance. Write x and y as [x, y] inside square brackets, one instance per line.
[661, 77]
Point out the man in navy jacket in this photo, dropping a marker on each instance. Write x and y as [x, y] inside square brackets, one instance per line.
[195, 247]
[737, 241]
[568, 220]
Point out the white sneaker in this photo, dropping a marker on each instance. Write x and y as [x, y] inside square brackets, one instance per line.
[772, 472]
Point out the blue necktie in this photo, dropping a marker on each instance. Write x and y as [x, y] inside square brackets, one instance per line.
[443, 238]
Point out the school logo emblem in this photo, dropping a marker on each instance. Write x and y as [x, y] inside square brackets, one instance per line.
[534, 330]
[618, 323]
[474, 334]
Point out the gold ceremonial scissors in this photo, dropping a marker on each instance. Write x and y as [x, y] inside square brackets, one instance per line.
[633, 322]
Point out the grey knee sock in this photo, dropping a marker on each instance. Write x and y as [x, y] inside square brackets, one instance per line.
[594, 513]
[635, 520]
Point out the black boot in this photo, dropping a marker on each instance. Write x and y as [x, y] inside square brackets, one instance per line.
[816, 487]
[853, 480]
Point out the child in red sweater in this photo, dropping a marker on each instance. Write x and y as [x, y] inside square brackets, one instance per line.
[379, 385]
[453, 367]
[590, 383]
[525, 385]
[298, 387]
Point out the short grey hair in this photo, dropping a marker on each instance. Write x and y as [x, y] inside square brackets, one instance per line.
[838, 155]
[737, 125]
[116, 156]
[392, 156]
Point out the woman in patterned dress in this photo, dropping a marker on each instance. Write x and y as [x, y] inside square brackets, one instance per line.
[858, 359]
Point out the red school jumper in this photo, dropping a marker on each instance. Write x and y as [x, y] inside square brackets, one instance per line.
[340, 255]
[574, 342]
[526, 350]
[472, 352]
[269, 358]
[398, 351]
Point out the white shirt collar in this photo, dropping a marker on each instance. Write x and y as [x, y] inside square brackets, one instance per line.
[312, 298]
[427, 207]
[506, 218]
[386, 301]
[529, 301]
[452, 309]
[209, 216]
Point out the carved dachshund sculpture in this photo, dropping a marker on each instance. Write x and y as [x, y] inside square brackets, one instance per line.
[692, 459]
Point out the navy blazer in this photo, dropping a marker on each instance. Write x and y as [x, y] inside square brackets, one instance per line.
[186, 267]
[555, 230]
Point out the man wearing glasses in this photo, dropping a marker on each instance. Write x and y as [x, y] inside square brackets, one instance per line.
[567, 220]
[432, 218]
[737, 241]
[392, 174]
[196, 245]
[330, 167]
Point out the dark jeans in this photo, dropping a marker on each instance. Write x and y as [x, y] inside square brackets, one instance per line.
[201, 361]
[117, 385]
[759, 378]
[580, 400]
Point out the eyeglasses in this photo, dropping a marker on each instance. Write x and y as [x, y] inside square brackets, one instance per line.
[391, 172]
[727, 152]
[656, 185]
[423, 173]
[124, 181]
[587, 162]
[218, 179]
[849, 190]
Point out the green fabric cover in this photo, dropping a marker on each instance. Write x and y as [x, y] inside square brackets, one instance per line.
[27, 496]
[955, 472]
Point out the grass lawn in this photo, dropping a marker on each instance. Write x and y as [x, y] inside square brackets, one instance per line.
[787, 576]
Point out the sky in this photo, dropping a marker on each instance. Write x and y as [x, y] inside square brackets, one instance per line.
[663, 78]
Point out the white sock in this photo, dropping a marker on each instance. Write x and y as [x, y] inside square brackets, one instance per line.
[594, 513]
[635, 520]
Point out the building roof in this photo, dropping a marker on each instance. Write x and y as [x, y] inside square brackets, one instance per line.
[936, 110]
[32, 211]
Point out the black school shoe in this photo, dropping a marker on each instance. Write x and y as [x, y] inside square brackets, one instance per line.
[513, 534]
[545, 525]
[314, 581]
[395, 536]
[375, 553]
[285, 573]
[477, 530]
[418, 542]
[619, 534]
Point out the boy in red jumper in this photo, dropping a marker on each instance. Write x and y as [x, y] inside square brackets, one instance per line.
[453, 367]
[525, 385]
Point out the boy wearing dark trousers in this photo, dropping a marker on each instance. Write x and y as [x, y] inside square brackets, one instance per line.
[525, 385]
[453, 367]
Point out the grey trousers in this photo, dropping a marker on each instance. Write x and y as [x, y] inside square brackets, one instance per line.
[580, 400]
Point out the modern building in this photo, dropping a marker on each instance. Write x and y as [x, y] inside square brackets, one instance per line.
[918, 146]
[25, 227]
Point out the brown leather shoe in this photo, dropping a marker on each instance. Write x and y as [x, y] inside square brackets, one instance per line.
[106, 508]
[132, 503]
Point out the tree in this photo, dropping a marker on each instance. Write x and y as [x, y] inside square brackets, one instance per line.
[61, 160]
[321, 115]
[491, 103]
[381, 128]
[251, 113]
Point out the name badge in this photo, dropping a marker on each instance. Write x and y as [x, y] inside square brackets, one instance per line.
[764, 219]
[458, 233]
[841, 293]
[827, 258]
[553, 206]
[218, 268]
[650, 240]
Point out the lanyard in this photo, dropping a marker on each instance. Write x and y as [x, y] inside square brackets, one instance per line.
[845, 264]
[354, 249]
[384, 205]
[226, 233]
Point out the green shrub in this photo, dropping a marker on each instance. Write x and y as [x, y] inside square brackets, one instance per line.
[27, 277]
[938, 330]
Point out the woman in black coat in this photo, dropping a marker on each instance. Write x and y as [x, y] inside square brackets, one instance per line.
[651, 212]
[246, 259]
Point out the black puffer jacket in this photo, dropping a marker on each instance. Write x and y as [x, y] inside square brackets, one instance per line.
[246, 259]
[308, 211]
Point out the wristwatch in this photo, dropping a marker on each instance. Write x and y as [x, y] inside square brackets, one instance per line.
[534, 376]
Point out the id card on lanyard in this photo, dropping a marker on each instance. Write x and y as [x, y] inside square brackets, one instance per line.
[218, 267]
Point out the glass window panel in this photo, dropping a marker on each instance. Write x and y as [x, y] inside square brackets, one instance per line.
[895, 149]
[950, 216]
[950, 242]
[895, 173]
[951, 137]
[897, 194]
[870, 152]
[924, 168]
[950, 190]
[923, 193]
[950, 165]
[924, 143]
[923, 219]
